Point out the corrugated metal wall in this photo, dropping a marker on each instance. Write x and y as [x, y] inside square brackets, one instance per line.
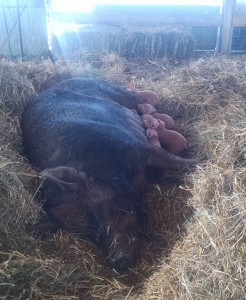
[23, 28]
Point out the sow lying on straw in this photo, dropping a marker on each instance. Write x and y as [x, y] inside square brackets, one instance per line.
[196, 232]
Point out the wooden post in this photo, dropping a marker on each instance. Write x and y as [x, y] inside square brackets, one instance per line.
[19, 29]
[226, 29]
[7, 32]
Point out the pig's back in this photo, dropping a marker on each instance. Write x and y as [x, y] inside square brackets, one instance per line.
[63, 128]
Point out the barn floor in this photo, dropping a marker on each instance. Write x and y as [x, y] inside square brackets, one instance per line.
[195, 245]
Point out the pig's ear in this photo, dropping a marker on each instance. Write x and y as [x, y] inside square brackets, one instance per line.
[66, 178]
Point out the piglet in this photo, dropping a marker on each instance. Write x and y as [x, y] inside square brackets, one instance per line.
[145, 108]
[169, 122]
[171, 140]
[148, 96]
[149, 121]
[152, 136]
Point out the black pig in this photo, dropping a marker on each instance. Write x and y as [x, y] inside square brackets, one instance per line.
[95, 157]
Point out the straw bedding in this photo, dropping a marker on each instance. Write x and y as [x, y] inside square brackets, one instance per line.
[127, 41]
[195, 238]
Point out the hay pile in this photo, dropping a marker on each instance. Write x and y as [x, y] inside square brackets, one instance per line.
[128, 42]
[195, 245]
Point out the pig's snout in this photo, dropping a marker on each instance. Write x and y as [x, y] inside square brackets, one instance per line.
[122, 252]
[121, 264]
[123, 242]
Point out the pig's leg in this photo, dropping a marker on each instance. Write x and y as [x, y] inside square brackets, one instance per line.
[44, 227]
[122, 96]
[103, 89]
[163, 160]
